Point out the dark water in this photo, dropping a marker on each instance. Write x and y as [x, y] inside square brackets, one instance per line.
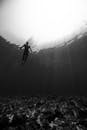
[56, 71]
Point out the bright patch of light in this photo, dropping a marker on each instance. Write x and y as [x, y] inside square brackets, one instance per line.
[46, 21]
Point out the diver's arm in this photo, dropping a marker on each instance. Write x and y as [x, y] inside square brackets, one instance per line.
[21, 47]
[30, 49]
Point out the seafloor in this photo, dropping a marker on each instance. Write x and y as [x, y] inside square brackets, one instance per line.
[49, 113]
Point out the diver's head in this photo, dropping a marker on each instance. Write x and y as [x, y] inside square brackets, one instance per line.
[27, 43]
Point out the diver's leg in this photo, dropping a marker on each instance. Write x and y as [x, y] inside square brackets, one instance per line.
[26, 56]
[23, 58]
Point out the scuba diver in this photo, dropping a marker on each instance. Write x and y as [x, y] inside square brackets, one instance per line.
[27, 50]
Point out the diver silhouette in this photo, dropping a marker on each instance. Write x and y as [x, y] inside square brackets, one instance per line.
[27, 50]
